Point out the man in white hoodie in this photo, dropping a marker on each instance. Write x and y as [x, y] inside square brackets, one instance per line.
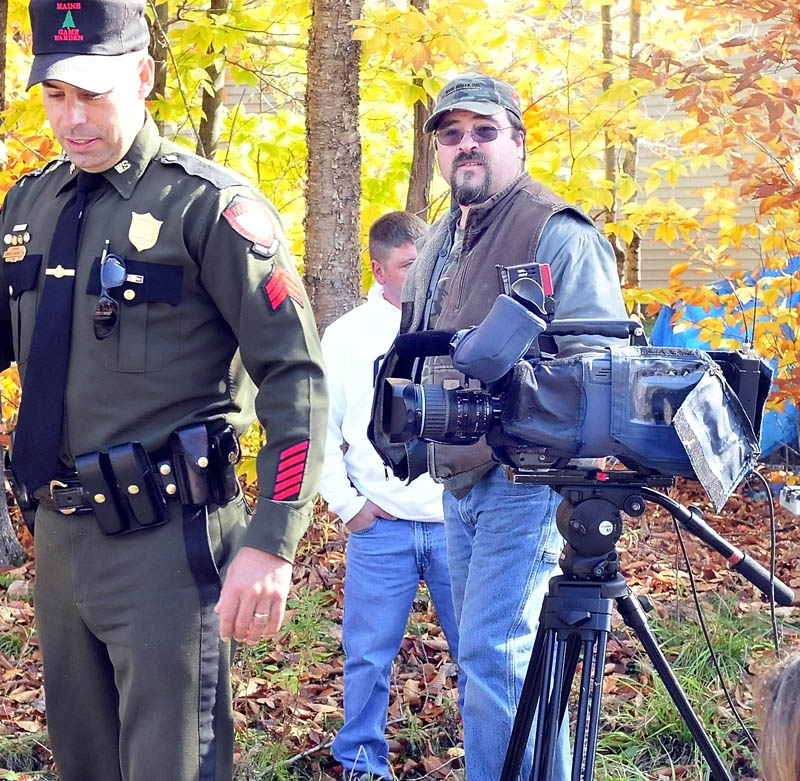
[396, 530]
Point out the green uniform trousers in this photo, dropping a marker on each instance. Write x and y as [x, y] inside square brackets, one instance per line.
[137, 682]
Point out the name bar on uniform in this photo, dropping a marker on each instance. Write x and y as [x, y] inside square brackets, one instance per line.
[59, 271]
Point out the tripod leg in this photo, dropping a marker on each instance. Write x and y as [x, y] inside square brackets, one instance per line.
[539, 751]
[596, 698]
[549, 717]
[566, 657]
[547, 676]
[528, 701]
[634, 616]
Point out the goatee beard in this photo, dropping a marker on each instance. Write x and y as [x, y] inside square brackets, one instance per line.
[468, 192]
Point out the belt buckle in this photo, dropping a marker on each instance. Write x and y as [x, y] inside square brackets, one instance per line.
[58, 484]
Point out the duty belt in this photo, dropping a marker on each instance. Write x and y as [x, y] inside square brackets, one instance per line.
[127, 489]
[67, 495]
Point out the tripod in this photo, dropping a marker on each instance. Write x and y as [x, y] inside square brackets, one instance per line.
[576, 617]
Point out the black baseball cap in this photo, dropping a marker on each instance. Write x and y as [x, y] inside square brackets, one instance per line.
[474, 92]
[85, 43]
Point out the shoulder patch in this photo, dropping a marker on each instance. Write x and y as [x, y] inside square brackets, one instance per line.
[198, 166]
[279, 286]
[252, 219]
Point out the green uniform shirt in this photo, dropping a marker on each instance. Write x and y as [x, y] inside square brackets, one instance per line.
[213, 319]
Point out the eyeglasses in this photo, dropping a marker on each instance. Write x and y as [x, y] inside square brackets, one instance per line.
[482, 134]
[106, 310]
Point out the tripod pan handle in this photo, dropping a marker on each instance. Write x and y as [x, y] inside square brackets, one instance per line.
[760, 578]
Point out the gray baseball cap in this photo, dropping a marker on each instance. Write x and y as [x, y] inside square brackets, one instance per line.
[85, 43]
[474, 92]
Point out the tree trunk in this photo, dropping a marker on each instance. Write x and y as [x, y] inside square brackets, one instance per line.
[159, 51]
[333, 184]
[610, 214]
[211, 122]
[633, 260]
[419, 184]
[11, 552]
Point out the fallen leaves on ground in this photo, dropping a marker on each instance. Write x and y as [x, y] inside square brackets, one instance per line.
[288, 694]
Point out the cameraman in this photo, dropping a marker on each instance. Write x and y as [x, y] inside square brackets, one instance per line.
[503, 545]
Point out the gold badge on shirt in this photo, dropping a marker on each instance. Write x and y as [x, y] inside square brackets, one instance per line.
[143, 233]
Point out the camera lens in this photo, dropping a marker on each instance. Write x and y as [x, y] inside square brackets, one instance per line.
[431, 412]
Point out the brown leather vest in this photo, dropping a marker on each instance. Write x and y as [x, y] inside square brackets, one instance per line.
[503, 231]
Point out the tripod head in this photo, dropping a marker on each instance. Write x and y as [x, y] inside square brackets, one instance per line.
[590, 521]
[589, 517]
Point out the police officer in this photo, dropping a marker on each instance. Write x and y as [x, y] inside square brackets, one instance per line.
[149, 300]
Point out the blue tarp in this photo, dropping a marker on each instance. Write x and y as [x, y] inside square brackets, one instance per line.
[778, 428]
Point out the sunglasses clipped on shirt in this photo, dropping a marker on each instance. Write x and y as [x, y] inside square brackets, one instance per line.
[481, 134]
[106, 310]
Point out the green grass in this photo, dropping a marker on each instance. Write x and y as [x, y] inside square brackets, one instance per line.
[261, 760]
[308, 625]
[15, 642]
[11, 643]
[642, 737]
[308, 634]
[6, 580]
[308, 638]
[646, 733]
[27, 754]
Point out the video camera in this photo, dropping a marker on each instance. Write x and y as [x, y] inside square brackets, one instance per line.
[660, 411]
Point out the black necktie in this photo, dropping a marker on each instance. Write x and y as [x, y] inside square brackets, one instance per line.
[38, 436]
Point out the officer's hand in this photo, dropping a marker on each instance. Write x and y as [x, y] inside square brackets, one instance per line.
[367, 515]
[253, 596]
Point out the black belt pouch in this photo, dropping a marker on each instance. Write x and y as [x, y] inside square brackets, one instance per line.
[97, 480]
[190, 458]
[225, 452]
[137, 484]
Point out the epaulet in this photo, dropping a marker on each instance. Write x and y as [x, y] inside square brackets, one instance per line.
[198, 166]
[49, 166]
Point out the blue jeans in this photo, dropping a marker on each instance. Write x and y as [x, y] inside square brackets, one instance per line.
[385, 563]
[503, 547]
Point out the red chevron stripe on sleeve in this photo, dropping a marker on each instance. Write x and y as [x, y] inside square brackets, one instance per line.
[291, 468]
[281, 285]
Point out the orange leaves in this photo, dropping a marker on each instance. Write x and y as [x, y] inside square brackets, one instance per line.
[676, 271]
[10, 393]
[740, 41]
[764, 312]
[744, 106]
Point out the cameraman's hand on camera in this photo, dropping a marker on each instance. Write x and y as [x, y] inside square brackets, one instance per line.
[366, 517]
